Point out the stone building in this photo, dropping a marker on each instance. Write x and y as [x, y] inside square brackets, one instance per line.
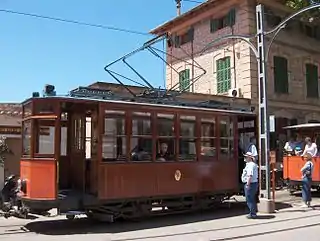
[292, 67]
[10, 127]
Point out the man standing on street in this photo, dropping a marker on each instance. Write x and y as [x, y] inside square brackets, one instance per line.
[250, 179]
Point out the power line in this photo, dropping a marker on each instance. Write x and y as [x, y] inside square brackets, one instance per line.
[192, 1]
[74, 22]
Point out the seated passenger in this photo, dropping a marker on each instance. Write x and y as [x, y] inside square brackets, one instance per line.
[290, 145]
[139, 154]
[163, 155]
[297, 150]
[310, 147]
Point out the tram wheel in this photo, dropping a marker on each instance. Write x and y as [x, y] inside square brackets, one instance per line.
[70, 217]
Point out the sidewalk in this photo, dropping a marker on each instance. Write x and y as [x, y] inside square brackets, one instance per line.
[231, 228]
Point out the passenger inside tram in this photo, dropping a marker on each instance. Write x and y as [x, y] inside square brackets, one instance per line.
[290, 145]
[310, 147]
[164, 154]
[296, 147]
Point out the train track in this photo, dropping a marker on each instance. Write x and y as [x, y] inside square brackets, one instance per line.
[57, 224]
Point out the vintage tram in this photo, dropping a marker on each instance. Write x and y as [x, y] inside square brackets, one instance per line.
[292, 163]
[101, 155]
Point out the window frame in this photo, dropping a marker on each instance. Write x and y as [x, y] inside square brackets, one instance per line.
[149, 137]
[124, 135]
[281, 77]
[202, 138]
[227, 20]
[158, 137]
[195, 136]
[222, 73]
[184, 80]
[36, 133]
[233, 137]
[312, 91]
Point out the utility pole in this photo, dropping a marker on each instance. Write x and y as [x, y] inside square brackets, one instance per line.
[264, 130]
[178, 4]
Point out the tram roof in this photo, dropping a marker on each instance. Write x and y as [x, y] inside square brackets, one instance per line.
[301, 126]
[201, 106]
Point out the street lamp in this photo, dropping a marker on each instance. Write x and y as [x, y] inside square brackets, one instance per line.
[262, 53]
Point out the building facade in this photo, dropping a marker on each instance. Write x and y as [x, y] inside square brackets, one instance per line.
[10, 128]
[292, 66]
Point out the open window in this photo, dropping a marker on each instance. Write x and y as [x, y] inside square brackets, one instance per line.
[165, 140]
[114, 142]
[141, 137]
[208, 139]
[187, 144]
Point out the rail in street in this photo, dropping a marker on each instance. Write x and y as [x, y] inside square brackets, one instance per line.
[223, 224]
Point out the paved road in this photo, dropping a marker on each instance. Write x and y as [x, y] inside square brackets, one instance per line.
[288, 223]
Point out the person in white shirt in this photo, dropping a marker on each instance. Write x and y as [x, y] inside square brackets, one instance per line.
[307, 171]
[250, 179]
[310, 148]
[290, 145]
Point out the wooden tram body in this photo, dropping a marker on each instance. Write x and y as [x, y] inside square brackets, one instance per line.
[292, 164]
[112, 179]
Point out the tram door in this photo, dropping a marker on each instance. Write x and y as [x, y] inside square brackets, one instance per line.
[78, 149]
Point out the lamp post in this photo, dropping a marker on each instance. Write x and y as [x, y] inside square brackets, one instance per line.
[261, 52]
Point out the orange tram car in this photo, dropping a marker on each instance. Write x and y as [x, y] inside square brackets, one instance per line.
[92, 153]
[292, 164]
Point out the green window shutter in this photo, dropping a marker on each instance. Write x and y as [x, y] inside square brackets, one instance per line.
[191, 34]
[184, 80]
[214, 25]
[223, 75]
[280, 72]
[312, 80]
[231, 17]
[177, 41]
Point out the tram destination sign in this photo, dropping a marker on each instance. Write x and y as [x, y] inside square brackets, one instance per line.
[16, 130]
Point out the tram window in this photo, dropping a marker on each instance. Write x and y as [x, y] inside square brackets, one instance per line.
[165, 144]
[165, 125]
[88, 137]
[114, 146]
[44, 137]
[226, 138]
[64, 134]
[26, 137]
[187, 143]
[141, 124]
[43, 107]
[208, 137]
[78, 134]
[141, 141]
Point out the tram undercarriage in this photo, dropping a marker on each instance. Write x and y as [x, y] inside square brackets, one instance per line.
[72, 203]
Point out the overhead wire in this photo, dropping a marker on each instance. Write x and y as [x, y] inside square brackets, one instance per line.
[75, 22]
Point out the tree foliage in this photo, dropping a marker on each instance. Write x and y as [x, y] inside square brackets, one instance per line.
[299, 4]
[4, 149]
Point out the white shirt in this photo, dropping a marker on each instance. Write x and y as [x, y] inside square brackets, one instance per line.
[289, 146]
[311, 149]
[250, 170]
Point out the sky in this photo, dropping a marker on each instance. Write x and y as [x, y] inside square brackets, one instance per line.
[35, 52]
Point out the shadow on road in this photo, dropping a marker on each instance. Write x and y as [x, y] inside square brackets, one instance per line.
[315, 194]
[85, 226]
